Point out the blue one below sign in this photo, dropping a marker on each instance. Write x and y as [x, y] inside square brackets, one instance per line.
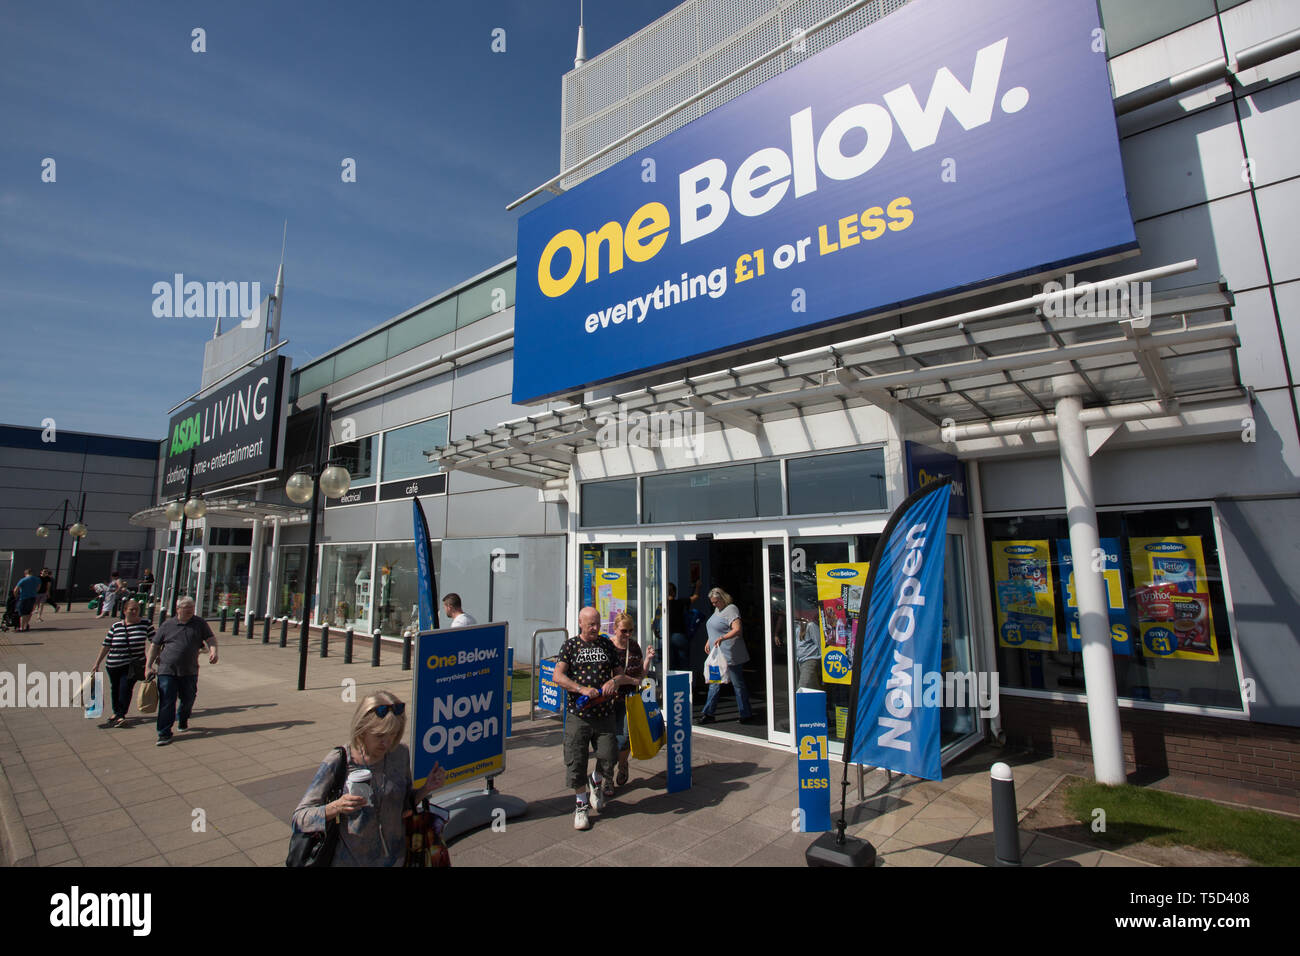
[548, 692]
[460, 702]
[814, 761]
[677, 711]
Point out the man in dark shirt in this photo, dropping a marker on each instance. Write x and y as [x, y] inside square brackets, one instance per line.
[586, 668]
[174, 656]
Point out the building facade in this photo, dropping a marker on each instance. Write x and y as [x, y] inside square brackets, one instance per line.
[761, 466]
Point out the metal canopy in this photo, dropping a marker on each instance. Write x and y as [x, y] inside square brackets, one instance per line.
[240, 509]
[975, 367]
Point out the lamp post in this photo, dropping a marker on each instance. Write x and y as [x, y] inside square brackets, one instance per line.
[334, 481]
[78, 531]
[183, 510]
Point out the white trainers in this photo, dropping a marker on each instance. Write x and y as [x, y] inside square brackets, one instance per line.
[580, 821]
[597, 794]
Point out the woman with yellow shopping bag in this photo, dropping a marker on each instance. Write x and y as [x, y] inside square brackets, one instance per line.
[634, 665]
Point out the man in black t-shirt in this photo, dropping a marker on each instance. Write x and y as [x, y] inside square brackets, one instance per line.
[586, 668]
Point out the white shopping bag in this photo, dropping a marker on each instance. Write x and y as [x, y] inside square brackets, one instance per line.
[715, 667]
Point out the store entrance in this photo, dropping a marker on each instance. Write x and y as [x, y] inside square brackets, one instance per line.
[735, 567]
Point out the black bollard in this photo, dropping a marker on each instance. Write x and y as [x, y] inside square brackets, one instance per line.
[284, 632]
[1006, 828]
[249, 624]
[234, 627]
[266, 629]
[406, 650]
[325, 641]
[347, 646]
[374, 650]
[162, 616]
[223, 620]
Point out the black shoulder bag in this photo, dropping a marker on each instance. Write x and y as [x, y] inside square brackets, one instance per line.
[317, 849]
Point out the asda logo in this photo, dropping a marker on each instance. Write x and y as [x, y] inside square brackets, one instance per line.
[186, 435]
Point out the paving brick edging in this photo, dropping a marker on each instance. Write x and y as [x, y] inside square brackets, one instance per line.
[15, 843]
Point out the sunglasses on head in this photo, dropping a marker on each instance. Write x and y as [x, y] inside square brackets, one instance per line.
[381, 710]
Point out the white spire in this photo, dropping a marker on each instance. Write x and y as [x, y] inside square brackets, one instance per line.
[580, 57]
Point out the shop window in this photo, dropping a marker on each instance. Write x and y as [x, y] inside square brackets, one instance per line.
[404, 449]
[226, 583]
[397, 595]
[358, 457]
[230, 537]
[609, 582]
[606, 503]
[714, 494]
[290, 574]
[345, 587]
[1168, 618]
[837, 484]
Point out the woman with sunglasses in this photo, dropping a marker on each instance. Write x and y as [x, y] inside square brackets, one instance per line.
[634, 669]
[371, 830]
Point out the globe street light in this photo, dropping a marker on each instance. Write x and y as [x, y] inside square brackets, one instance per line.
[174, 510]
[195, 508]
[301, 487]
[78, 531]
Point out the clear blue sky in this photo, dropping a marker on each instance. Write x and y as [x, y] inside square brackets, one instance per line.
[168, 161]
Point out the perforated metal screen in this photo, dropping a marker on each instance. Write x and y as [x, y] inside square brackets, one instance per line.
[680, 54]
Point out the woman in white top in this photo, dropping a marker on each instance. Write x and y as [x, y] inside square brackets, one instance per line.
[724, 632]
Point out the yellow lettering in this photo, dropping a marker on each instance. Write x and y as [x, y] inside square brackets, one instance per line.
[848, 231]
[551, 287]
[873, 227]
[611, 233]
[900, 214]
[649, 222]
[823, 244]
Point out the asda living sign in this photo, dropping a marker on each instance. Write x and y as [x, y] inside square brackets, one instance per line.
[233, 433]
[950, 145]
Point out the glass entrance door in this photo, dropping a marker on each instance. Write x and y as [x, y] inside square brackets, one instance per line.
[780, 659]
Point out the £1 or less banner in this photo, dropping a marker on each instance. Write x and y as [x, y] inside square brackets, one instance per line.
[839, 600]
[611, 595]
[814, 771]
[1172, 594]
[898, 153]
[1113, 573]
[1022, 578]
[459, 702]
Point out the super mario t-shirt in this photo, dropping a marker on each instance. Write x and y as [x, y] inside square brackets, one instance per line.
[590, 664]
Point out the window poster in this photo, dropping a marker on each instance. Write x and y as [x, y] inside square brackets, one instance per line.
[1022, 573]
[839, 598]
[1120, 640]
[1173, 598]
[588, 578]
[611, 596]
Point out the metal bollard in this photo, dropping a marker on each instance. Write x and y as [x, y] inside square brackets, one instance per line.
[1006, 829]
[374, 650]
[162, 616]
[347, 646]
[252, 620]
[284, 632]
[406, 650]
[266, 629]
[223, 621]
[234, 627]
[325, 641]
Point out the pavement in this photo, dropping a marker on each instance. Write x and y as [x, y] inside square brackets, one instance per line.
[73, 793]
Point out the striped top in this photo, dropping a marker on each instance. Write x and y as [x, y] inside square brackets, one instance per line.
[126, 642]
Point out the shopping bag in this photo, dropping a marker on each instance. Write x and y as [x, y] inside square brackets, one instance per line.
[146, 696]
[715, 667]
[425, 846]
[91, 700]
[645, 723]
